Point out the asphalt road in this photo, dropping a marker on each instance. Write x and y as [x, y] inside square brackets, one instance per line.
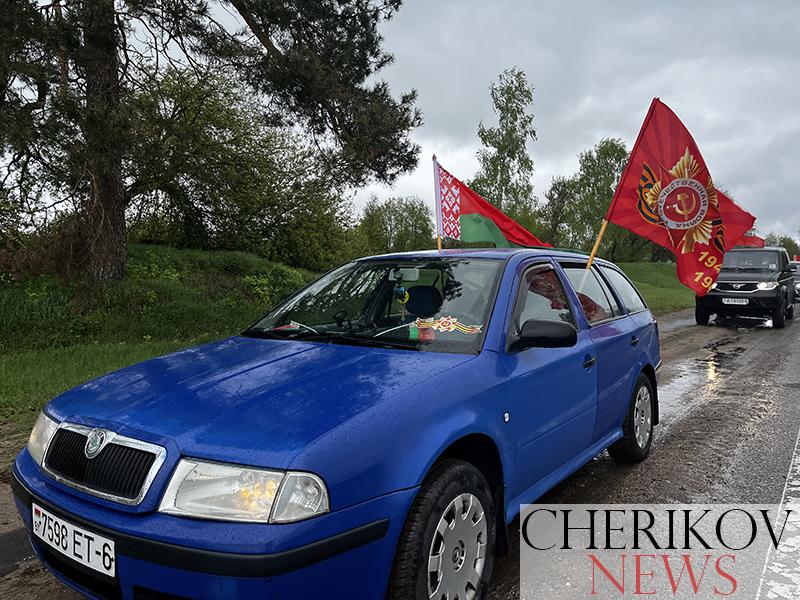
[730, 415]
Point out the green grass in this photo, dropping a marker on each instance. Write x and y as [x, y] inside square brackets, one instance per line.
[659, 285]
[168, 295]
[31, 377]
[53, 338]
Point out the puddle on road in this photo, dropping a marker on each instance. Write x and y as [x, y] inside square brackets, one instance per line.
[693, 380]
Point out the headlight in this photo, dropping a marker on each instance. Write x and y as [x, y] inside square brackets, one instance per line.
[713, 286]
[233, 493]
[42, 431]
[767, 285]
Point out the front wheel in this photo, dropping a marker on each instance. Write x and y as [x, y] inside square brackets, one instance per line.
[447, 546]
[637, 428]
[779, 316]
[701, 315]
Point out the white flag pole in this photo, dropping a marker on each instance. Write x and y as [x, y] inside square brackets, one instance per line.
[438, 195]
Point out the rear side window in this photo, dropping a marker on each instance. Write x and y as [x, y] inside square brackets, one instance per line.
[625, 290]
[542, 296]
[597, 303]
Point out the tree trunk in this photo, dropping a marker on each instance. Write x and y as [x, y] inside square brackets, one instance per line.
[104, 134]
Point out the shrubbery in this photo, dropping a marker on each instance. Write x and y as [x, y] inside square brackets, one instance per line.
[169, 295]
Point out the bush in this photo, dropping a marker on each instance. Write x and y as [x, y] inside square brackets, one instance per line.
[169, 295]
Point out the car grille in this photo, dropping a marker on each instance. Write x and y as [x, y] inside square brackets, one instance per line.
[725, 286]
[118, 470]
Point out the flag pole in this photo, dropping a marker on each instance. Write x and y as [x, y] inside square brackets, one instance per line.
[438, 203]
[596, 246]
[619, 185]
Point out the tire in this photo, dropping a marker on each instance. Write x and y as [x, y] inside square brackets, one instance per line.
[779, 316]
[447, 482]
[790, 312]
[701, 315]
[631, 449]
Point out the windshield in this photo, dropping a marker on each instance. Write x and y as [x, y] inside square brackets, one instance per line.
[439, 305]
[754, 260]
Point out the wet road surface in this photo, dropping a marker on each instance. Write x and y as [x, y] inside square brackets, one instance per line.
[730, 415]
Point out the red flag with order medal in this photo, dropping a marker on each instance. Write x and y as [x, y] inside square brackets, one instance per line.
[666, 195]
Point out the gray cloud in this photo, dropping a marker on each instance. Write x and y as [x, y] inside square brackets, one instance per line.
[728, 69]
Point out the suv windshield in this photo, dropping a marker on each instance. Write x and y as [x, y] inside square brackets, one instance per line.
[439, 305]
[754, 260]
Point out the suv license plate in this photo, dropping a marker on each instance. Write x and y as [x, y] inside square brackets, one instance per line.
[83, 546]
[737, 301]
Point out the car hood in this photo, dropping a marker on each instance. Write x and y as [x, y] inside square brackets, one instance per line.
[250, 401]
[730, 275]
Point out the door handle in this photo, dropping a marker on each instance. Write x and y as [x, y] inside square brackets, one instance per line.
[589, 361]
[634, 341]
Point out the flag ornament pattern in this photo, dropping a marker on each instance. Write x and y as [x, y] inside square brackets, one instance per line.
[461, 214]
[667, 195]
[450, 194]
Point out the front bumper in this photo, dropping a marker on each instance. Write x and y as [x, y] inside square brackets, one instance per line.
[759, 303]
[308, 560]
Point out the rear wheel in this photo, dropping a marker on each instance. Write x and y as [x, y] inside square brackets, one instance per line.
[446, 550]
[701, 315]
[779, 316]
[637, 428]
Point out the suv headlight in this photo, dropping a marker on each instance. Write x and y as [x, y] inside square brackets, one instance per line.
[767, 285]
[42, 431]
[235, 493]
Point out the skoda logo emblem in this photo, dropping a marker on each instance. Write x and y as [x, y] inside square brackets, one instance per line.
[95, 442]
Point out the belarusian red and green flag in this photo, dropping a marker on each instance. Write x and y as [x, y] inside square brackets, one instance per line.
[461, 214]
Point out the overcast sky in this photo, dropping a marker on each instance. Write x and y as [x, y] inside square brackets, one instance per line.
[729, 70]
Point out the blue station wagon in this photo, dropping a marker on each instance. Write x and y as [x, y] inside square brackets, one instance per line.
[371, 437]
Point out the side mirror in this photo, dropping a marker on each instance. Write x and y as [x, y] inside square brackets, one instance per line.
[540, 333]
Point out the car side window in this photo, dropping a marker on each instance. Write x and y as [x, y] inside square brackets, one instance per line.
[625, 290]
[596, 301]
[542, 296]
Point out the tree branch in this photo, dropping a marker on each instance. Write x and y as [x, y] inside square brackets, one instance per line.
[261, 34]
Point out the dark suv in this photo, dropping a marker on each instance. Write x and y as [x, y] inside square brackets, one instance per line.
[753, 282]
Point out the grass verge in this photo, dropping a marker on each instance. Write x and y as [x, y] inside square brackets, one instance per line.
[660, 287]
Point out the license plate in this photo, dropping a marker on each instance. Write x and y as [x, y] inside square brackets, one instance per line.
[737, 301]
[82, 546]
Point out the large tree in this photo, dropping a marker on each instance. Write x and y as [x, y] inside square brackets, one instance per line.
[505, 176]
[205, 169]
[69, 68]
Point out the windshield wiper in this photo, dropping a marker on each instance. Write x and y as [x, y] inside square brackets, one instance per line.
[357, 340]
[264, 334]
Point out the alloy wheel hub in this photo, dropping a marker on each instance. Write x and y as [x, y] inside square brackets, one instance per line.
[461, 536]
[643, 417]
